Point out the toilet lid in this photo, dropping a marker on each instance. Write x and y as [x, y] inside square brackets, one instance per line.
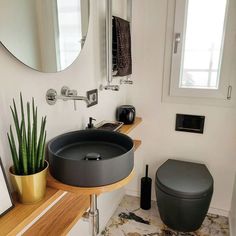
[184, 179]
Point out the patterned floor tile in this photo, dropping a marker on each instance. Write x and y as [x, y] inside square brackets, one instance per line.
[130, 220]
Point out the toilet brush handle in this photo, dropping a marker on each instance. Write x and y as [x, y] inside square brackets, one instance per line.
[146, 171]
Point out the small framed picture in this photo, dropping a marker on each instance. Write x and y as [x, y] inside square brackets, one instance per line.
[6, 202]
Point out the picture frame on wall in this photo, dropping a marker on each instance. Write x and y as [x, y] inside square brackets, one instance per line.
[6, 202]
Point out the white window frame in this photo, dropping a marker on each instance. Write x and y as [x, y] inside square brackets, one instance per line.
[171, 90]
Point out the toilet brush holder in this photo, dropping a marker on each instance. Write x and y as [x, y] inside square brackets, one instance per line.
[146, 190]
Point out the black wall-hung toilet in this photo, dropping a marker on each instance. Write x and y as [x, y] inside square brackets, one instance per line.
[184, 191]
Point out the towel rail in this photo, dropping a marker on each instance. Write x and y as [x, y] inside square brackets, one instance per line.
[109, 40]
[109, 48]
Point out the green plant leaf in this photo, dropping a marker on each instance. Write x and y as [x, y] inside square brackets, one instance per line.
[32, 153]
[24, 138]
[43, 153]
[31, 149]
[35, 138]
[29, 140]
[23, 150]
[16, 119]
[33, 134]
[13, 152]
[18, 132]
[40, 143]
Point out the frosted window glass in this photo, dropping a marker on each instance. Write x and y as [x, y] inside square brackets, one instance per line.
[202, 50]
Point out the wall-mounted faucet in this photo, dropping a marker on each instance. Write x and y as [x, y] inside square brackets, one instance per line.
[71, 94]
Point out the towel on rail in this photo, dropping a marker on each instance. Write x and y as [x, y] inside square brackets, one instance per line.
[121, 47]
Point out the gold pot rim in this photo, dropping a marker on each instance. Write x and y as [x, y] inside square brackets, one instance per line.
[45, 169]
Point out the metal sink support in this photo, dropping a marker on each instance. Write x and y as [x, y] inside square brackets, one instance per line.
[92, 216]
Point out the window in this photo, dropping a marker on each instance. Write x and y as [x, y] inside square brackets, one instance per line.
[198, 46]
[70, 30]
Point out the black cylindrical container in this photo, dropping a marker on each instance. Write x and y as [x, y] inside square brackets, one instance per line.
[126, 114]
[146, 190]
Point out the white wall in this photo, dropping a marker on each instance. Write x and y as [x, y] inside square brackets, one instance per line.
[216, 147]
[88, 72]
[233, 212]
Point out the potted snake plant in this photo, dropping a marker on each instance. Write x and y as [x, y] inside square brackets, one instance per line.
[27, 145]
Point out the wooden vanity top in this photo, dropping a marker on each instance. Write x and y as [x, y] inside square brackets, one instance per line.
[21, 215]
[53, 183]
[65, 208]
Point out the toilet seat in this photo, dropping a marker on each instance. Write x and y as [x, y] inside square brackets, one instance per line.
[184, 179]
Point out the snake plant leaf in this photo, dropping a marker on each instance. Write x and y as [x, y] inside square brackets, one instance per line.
[23, 150]
[24, 138]
[32, 154]
[13, 152]
[40, 150]
[43, 154]
[16, 123]
[16, 120]
[23, 118]
[29, 156]
[34, 138]
[18, 131]
[29, 140]
[39, 146]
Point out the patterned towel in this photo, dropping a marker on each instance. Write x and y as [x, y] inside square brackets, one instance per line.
[121, 47]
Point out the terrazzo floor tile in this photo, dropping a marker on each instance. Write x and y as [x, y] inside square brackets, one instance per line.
[130, 220]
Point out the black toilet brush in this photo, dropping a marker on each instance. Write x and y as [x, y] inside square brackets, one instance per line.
[146, 189]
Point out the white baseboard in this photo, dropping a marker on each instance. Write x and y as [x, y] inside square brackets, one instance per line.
[216, 211]
[212, 210]
[231, 231]
[132, 193]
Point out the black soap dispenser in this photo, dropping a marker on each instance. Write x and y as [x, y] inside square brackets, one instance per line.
[90, 124]
[146, 190]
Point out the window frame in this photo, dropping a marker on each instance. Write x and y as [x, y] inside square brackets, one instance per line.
[171, 90]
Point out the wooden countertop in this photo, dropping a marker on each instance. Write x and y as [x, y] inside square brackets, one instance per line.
[21, 215]
[71, 204]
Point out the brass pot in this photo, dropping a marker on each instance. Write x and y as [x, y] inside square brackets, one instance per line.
[30, 188]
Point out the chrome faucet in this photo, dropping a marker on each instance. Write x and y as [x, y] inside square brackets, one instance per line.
[66, 95]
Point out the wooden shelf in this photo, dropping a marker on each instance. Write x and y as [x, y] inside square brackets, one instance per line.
[60, 219]
[21, 215]
[125, 129]
[62, 216]
[137, 144]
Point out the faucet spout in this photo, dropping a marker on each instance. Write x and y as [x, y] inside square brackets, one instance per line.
[74, 98]
[66, 95]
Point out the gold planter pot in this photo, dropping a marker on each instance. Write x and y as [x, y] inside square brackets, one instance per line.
[30, 188]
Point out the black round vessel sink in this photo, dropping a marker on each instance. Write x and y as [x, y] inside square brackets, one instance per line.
[91, 158]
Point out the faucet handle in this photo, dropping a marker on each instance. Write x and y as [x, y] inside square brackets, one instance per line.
[67, 92]
[51, 96]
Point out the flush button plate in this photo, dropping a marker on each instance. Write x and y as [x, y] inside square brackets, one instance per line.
[190, 123]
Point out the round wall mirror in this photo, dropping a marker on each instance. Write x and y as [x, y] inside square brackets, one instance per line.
[45, 35]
